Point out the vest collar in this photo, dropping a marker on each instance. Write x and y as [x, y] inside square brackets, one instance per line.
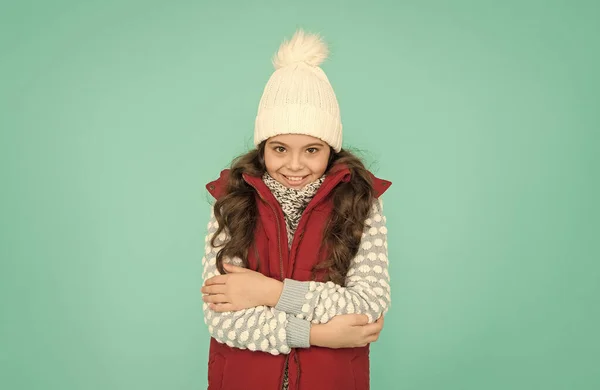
[338, 173]
[335, 175]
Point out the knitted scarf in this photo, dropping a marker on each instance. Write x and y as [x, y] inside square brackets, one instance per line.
[292, 201]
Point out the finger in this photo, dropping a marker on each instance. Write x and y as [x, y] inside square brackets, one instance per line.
[360, 319]
[215, 298]
[370, 329]
[214, 289]
[234, 268]
[221, 307]
[372, 338]
[219, 279]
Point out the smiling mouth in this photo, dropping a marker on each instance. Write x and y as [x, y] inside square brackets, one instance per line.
[295, 179]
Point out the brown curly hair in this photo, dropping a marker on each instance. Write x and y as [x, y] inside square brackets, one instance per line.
[236, 212]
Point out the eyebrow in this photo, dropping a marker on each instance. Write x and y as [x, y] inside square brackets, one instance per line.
[305, 146]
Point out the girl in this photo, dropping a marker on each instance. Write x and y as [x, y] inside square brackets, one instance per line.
[295, 269]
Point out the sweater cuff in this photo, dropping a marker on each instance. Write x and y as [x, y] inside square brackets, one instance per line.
[298, 332]
[292, 296]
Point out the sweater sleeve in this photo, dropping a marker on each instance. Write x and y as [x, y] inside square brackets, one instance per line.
[260, 328]
[367, 289]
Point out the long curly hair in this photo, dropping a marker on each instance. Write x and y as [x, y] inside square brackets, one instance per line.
[236, 213]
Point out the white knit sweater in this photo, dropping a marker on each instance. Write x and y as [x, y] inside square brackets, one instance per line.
[287, 325]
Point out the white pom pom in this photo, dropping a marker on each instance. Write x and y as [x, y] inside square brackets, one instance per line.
[303, 47]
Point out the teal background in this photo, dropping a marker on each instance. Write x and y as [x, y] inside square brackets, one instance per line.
[484, 115]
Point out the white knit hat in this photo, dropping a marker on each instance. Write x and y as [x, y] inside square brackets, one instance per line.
[298, 98]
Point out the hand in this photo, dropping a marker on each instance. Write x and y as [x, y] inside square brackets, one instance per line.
[239, 289]
[346, 331]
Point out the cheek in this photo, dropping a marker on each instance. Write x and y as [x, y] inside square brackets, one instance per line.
[319, 165]
[271, 162]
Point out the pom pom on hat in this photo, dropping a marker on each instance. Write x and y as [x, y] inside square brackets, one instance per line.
[303, 47]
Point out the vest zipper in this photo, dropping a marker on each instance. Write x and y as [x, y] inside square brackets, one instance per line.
[286, 367]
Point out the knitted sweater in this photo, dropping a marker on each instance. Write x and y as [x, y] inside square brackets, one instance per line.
[287, 325]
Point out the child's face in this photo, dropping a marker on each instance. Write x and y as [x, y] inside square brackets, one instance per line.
[296, 160]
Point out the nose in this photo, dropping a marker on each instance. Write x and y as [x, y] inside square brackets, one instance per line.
[295, 162]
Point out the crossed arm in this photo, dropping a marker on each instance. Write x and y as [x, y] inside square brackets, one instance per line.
[248, 310]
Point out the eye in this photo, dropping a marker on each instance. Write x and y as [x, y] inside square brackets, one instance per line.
[279, 149]
[312, 150]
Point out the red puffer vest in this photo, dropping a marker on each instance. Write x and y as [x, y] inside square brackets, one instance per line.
[311, 368]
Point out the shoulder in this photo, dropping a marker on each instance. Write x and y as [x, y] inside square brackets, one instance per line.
[376, 208]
